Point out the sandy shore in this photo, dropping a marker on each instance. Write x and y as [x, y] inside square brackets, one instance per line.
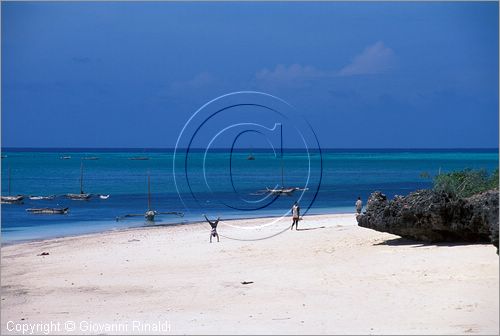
[333, 277]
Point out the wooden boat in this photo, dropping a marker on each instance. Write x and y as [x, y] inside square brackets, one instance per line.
[288, 191]
[150, 214]
[38, 198]
[78, 197]
[81, 196]
[17, 199]
[48, 211]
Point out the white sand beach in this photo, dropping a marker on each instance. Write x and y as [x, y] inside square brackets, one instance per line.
[333, 278]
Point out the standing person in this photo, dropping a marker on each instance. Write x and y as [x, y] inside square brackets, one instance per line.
[359, 205]
[295, 215]
[213, 224]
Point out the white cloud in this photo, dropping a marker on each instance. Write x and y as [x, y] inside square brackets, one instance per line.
[375, 59]
[282, 73]
[200, 80]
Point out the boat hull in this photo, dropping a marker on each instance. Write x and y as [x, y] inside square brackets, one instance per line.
[78, 197]
[38, 198]
[48, 211]
[283, 191]
[150, 215]
[12, 199]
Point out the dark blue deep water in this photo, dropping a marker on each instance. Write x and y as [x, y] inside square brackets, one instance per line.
[219, 184]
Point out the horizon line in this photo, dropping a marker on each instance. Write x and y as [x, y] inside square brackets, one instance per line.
[250, 148]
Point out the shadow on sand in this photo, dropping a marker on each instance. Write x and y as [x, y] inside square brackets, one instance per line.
[404, 241]
[314, 228]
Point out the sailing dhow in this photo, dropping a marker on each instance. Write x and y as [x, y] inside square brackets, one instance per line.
[82, 196]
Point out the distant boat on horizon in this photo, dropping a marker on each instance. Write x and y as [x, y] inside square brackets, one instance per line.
[65, 157]
[139, 158]
[91, 158]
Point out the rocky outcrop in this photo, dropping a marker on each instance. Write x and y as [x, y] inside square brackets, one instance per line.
[431, 216]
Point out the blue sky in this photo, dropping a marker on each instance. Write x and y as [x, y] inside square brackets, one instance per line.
[365, 75]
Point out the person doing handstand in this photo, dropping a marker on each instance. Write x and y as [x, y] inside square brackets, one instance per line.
[213, 224]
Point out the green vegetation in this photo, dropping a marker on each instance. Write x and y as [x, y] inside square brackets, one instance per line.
[466, 182]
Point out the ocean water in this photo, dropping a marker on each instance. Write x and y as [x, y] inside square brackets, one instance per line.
[218, 183]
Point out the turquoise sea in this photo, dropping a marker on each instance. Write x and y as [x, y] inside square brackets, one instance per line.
[220, 183]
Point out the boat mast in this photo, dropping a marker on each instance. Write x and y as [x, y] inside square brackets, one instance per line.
[9, 181]
[282, 164]
[282, 173]
[149, 191]
[81, 178]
